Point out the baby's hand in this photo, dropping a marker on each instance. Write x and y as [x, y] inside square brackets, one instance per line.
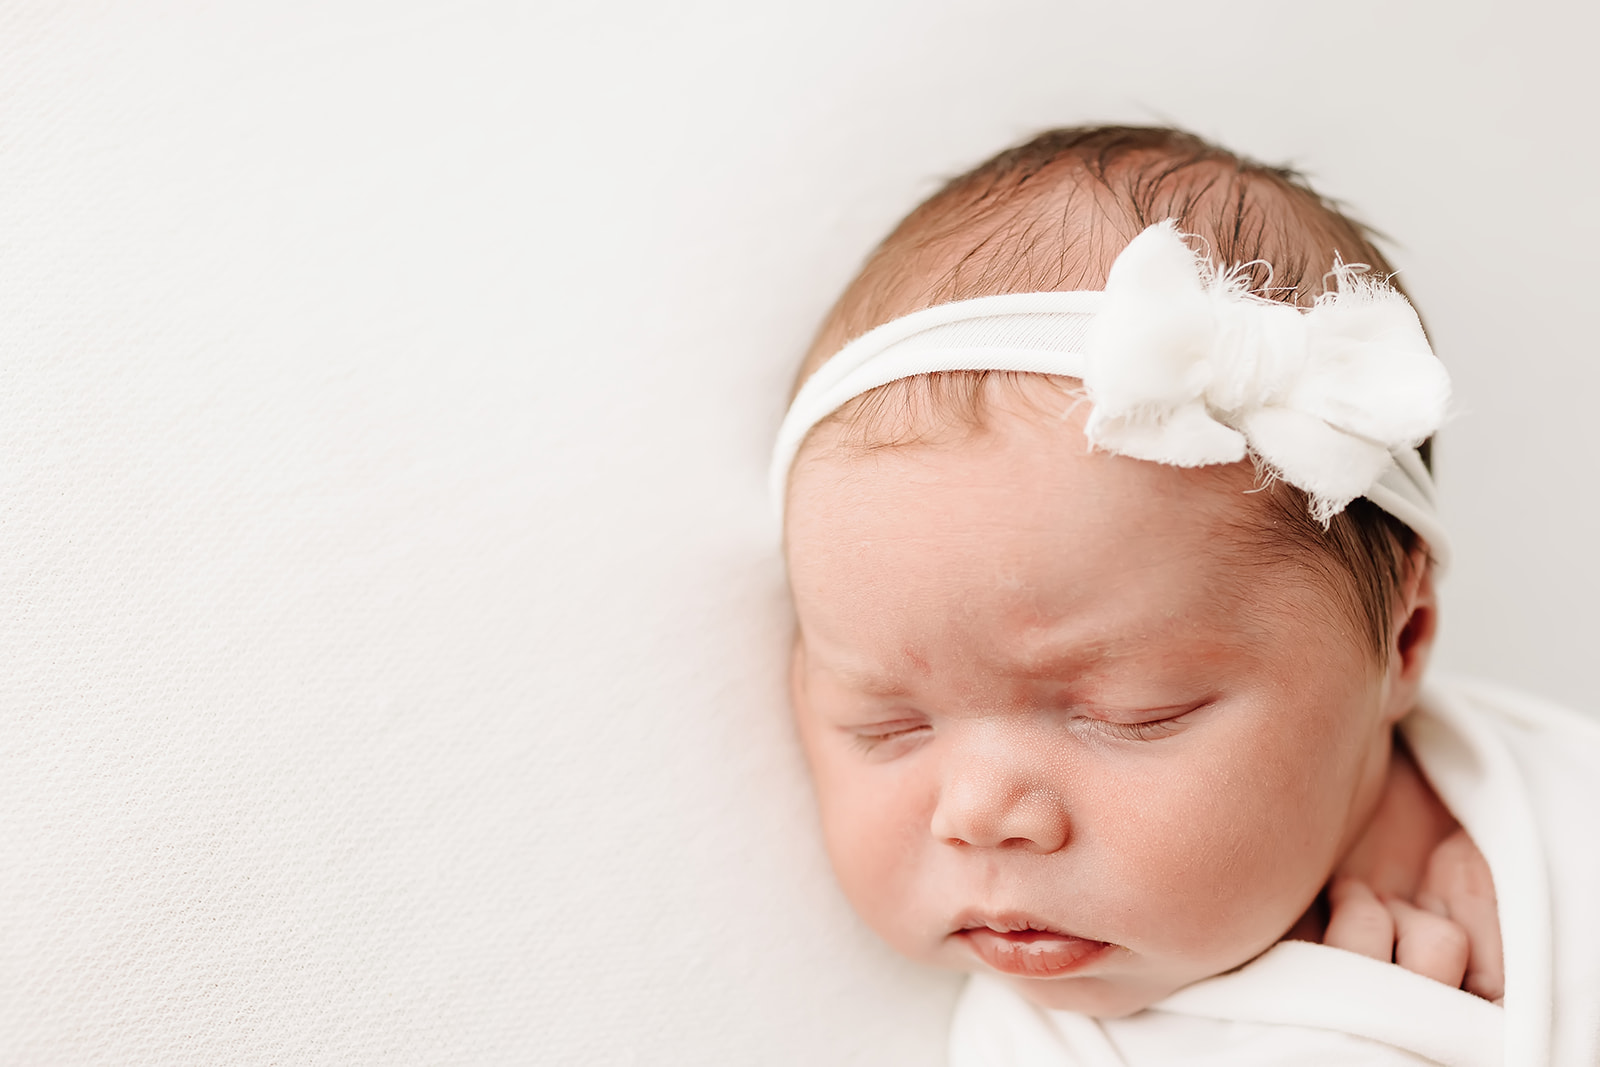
[1450, 933]
[1459, 887]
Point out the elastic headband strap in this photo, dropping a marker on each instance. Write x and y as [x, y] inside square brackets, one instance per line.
[1035, 333]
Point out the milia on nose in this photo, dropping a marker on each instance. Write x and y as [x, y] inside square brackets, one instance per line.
[985, 806]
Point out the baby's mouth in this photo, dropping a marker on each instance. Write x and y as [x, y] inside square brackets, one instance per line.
[1026, 949]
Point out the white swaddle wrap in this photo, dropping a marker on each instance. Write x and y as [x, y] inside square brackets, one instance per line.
[1519, 775]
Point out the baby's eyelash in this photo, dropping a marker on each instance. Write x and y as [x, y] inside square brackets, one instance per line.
[1148, 730]
[1139, 731]
[867, 741]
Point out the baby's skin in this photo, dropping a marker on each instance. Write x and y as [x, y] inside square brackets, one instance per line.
[1070, 724]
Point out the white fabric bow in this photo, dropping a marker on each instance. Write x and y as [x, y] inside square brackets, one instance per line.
[1184, 367]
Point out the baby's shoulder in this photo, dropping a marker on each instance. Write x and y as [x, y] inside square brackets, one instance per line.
[1506, 763]
[1528, 725]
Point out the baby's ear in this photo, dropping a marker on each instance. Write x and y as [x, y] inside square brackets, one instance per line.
[1415, 622]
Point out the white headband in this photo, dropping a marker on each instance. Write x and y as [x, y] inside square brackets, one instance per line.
[1182, 366]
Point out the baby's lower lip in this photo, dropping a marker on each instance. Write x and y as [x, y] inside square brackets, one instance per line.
[1033, 953]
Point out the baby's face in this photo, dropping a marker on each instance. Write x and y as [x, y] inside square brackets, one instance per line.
[1066, 723]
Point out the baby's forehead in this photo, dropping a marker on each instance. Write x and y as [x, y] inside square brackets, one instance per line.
[1029, 542]
[1013, 446]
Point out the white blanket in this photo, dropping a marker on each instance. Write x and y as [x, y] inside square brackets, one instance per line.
[1523, 778]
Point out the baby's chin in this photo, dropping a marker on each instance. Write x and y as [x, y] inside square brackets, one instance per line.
[1102, 998]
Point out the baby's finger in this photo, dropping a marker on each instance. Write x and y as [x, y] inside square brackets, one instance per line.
[1486, 965]
[1429, 944]
[1458, 884]
[1358, 920]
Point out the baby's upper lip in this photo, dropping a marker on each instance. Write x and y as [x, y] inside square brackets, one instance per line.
[1007, 922]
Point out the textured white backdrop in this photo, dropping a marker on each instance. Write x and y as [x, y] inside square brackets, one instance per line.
[390, 635]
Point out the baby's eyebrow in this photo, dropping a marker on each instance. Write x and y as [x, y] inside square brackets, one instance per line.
[869, 681]
[869, 677]
[873, 685]
[1051, 664]
[1058, 659]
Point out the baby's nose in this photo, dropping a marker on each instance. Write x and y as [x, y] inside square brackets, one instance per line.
[990, 800]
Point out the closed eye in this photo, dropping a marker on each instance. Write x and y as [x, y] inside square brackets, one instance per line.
[873, 738]
[1149, 729]
[1139, 731]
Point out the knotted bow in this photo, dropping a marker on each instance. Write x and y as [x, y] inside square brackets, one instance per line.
[1184, 367]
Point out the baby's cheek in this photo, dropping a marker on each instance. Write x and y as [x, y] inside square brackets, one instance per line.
[876, 843]
[1216, 844]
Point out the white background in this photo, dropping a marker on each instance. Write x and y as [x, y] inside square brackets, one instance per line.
[391, 636]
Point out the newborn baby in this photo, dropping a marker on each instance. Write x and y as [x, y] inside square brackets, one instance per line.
[1113, 550]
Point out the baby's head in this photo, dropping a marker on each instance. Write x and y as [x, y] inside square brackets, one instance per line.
[1099, 724]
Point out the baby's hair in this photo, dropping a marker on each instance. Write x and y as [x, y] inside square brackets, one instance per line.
[1051, 215]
